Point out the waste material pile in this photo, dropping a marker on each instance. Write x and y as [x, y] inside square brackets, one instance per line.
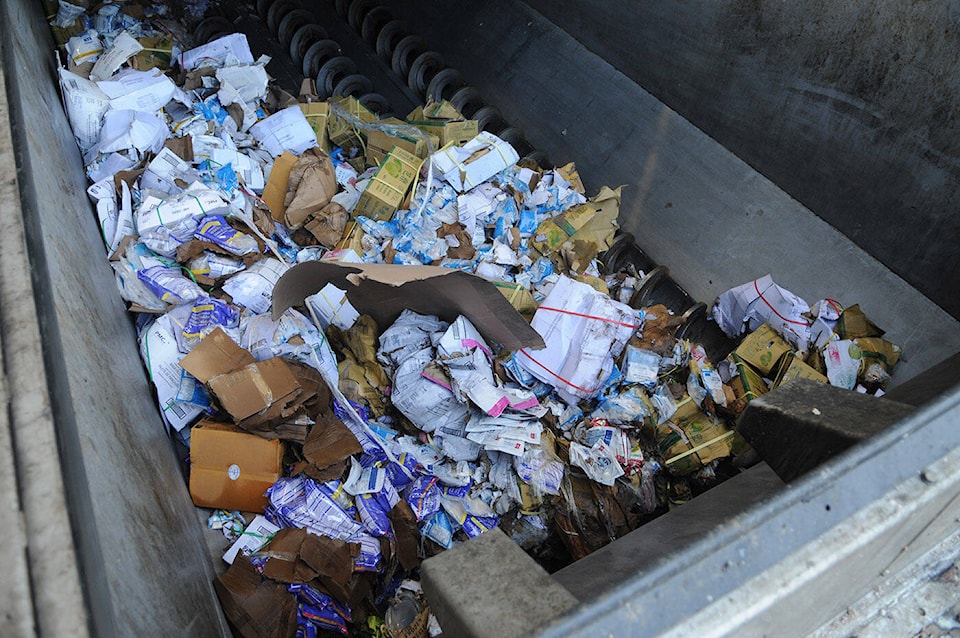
[382, 337]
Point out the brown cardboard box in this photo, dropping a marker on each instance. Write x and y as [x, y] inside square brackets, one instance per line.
[762, 348]
[231, 469]
[518, 296]
[791, 366]
[456, 132]
[747, 384]
[340, 132]
[318, 114]
[156, 53]
[379, 144]
[707, 439]
[389, 186]
[444, 121]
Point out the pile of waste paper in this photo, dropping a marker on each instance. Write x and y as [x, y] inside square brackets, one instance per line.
[379, 337]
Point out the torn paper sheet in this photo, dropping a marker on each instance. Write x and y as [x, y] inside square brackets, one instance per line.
[147, 91]
[475, 162]
[248, 81]
[286, 130]
[85, 104]
[222, 51]
[584, 330]
[128, 130]
[762, 301]
[124, 46]
[332, 307]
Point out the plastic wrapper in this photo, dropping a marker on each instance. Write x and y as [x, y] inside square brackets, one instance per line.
[598, 461]
[373, 508]
[214, 266]
[423, 497]
[207, 314]
[253, 288]
[543, 472]
[216, 230]
[169, 285]
[424, 401]
[439, 528]
[300, 502]
[370, 557]
[630, 405]
[473, 526]
[641, 366]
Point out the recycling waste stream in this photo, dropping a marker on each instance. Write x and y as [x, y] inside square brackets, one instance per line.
[376, 337]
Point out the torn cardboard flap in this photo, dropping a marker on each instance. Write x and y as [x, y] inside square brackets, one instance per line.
[329, 442]
[256, 607]
[231, 469]
[275, 191]
[216, 354]
[384, 291]
[255, 387]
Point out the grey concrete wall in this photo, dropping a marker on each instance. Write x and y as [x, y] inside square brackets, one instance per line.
[849, 107]
[144, 568]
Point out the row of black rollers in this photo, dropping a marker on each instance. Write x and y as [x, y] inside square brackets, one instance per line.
[407, 56]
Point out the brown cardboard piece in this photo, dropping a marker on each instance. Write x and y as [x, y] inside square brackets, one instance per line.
[231, 469]
[216, 354]
[257, 394]
[312, 183]
[574, 238]
[362, 378]
[404, 523]
[328, 224]
[384, 291]
[250, 390]
[297, 556]
[329, 442]
[275, 190]
[255, 606]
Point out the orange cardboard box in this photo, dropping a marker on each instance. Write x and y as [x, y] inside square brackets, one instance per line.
[231, 469]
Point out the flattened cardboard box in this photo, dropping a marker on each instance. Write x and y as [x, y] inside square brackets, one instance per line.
[251, 391]
[384, 291]
[231, 469]
[388, 187]
[379, 143]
